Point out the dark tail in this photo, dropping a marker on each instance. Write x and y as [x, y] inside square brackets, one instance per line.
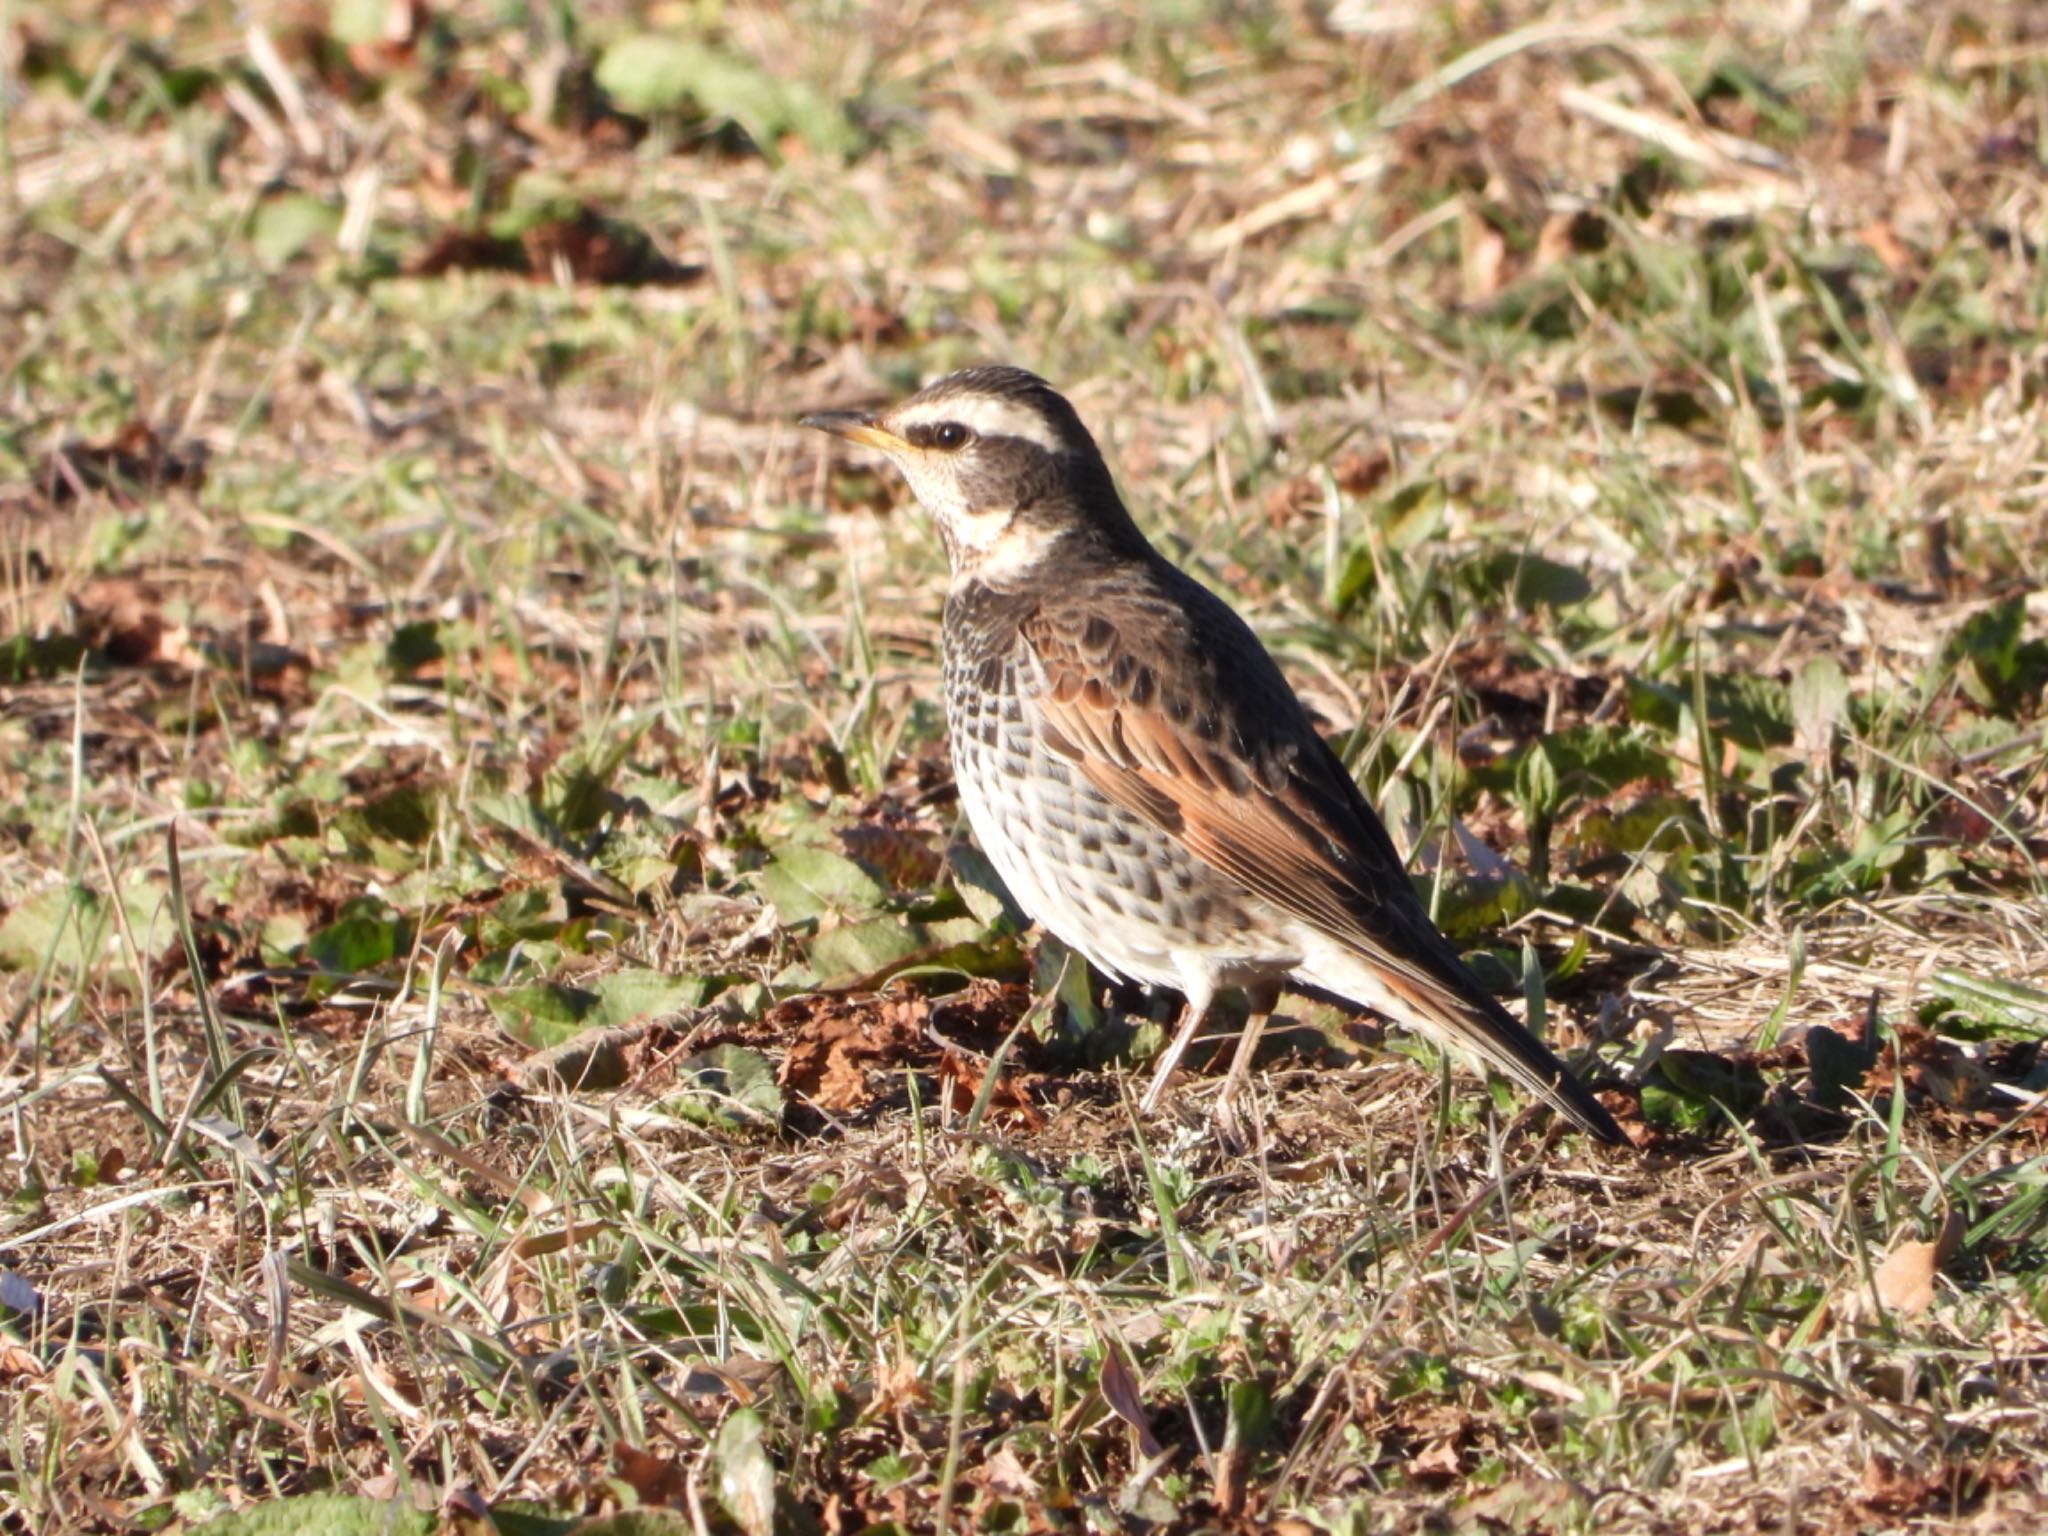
[1473, 1019]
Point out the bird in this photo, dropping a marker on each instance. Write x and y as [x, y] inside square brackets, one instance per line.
[1136, 767]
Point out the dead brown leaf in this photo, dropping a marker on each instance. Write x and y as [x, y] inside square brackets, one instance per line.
[595, 1062]
[902, 856]
[1439, 1463]
[134, 458]
[1360, 474]
[1233, 1469]
[1004, 1475]
[1568, 234]
[124, 619]
[1892, 1490]
[1933, 1069]
[584, 244]
[1120, 1390]
[743, 1378]
[16, 1361]
[897, 1383]
[1288, 500]
[591, 248]
[1904, 1282]
[1484, 268]
[1526, 1506]
[654, 1479]
[1883, 243]
[961, 1081]
[838, 1044]
[466, 250]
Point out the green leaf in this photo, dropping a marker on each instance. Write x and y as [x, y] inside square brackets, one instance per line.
[544, 1015]
[1678, 1111]
[1997, 667]
[805, 883]
[325, 1514]
[577, 792]
[591, 1060]
[535, 913]
[1409, 517]
[1248, 1426]
[550, 1013]
[286, 225]
[1709, 1077]
[888, 1471]
[284, 936]
[982, 889]
[647, 851]
[1536, 782]
[25, 657]
[625, 997]
[645, 1521]
[1413, 515]
[1658, 820]
[79, 921]
[1755, 711]
[1360, 575]
[864, 948]
[1995, 1007]
[729, 1087]
[403, 814]
[1532, 580]
[648, 73]
[1467, 906]
[515, 813]
[367, 934]
[1594, 760]
[358, 21]
[965, 944]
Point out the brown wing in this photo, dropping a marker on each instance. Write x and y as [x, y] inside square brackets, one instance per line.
[1171, 708]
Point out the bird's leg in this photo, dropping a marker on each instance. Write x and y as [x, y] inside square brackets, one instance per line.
[1263, 998]
[1198, 999]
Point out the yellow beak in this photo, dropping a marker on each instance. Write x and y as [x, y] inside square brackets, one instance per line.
[856, 427]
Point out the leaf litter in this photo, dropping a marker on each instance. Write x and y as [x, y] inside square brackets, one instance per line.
[1675, 721]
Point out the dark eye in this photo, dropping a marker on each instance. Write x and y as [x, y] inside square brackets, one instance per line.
[950, 435]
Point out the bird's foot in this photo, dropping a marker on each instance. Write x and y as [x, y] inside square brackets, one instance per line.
[1156, 1089]
[1169, 1059]
[1232, 1117]
[1233, 1098]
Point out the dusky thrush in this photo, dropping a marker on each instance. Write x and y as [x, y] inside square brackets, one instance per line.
[1135, 765]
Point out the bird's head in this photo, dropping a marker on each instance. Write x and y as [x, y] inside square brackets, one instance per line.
[1004, 466]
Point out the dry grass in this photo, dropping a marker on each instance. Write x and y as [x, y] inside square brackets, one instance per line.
[503, 1019]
